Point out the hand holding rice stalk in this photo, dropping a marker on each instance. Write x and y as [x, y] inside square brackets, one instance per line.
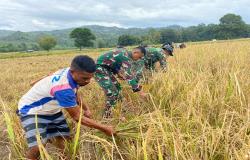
[130, 129]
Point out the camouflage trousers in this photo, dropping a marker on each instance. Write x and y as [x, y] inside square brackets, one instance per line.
[111, 87]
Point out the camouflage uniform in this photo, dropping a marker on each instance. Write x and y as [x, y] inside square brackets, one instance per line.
[152, 56]
[137, 69]
[108, 65]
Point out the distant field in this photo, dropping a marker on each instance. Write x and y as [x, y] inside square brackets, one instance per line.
[45, 53]
[73, 51]
[199, 109]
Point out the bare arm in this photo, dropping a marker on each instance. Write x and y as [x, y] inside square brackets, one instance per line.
[74, 112]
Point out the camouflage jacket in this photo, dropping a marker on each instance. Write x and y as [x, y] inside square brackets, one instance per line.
[118, 59]
[154, 55]
[137, 69]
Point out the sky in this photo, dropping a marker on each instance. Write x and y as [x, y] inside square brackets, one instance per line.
[40, 15]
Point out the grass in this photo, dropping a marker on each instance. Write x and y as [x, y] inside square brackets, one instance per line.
[199, 109]
[11, 55]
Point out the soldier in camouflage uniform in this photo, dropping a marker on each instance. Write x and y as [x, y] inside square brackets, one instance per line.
[109, 65]
[153, 55]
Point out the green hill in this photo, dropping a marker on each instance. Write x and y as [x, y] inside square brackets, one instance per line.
[108, 34]
[4, 33]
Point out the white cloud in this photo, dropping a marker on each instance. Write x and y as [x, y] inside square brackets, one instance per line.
[44, 25]
[29, 15]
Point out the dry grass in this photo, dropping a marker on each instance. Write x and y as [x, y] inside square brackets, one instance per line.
[199, 109]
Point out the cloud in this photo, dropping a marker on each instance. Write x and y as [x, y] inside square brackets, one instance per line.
[28, 15]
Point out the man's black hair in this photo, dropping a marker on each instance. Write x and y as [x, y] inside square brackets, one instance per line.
[83, 63]
[142, 49]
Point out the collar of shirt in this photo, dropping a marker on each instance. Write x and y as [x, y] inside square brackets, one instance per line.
[72, 82]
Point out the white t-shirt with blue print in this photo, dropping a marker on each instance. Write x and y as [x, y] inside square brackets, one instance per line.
[50, 95]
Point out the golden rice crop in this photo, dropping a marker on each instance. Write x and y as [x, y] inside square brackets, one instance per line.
[198, 109]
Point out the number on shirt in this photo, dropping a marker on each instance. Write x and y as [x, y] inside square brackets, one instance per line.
[56, 78]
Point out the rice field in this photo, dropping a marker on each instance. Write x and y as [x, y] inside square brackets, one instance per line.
[198, 109]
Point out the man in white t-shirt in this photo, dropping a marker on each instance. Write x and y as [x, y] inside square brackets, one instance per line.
[40, 109]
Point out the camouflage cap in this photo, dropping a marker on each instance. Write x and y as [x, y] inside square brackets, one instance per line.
[168, 47]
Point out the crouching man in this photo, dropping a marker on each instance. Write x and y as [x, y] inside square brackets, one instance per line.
[40, 109]
[109, 65]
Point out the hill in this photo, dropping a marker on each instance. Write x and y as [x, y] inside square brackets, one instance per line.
[108, 34]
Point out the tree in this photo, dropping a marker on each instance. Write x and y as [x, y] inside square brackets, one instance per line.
[22, 47]
[232, 26]
[34, 47]
[47, 42]
[169, 35]
[10, 47]
[230, 19]
[127, 40]
[100, 43]
[83, 37]
[248, 30]
[153, 37]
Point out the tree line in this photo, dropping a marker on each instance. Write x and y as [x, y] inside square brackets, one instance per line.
[230, 26]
